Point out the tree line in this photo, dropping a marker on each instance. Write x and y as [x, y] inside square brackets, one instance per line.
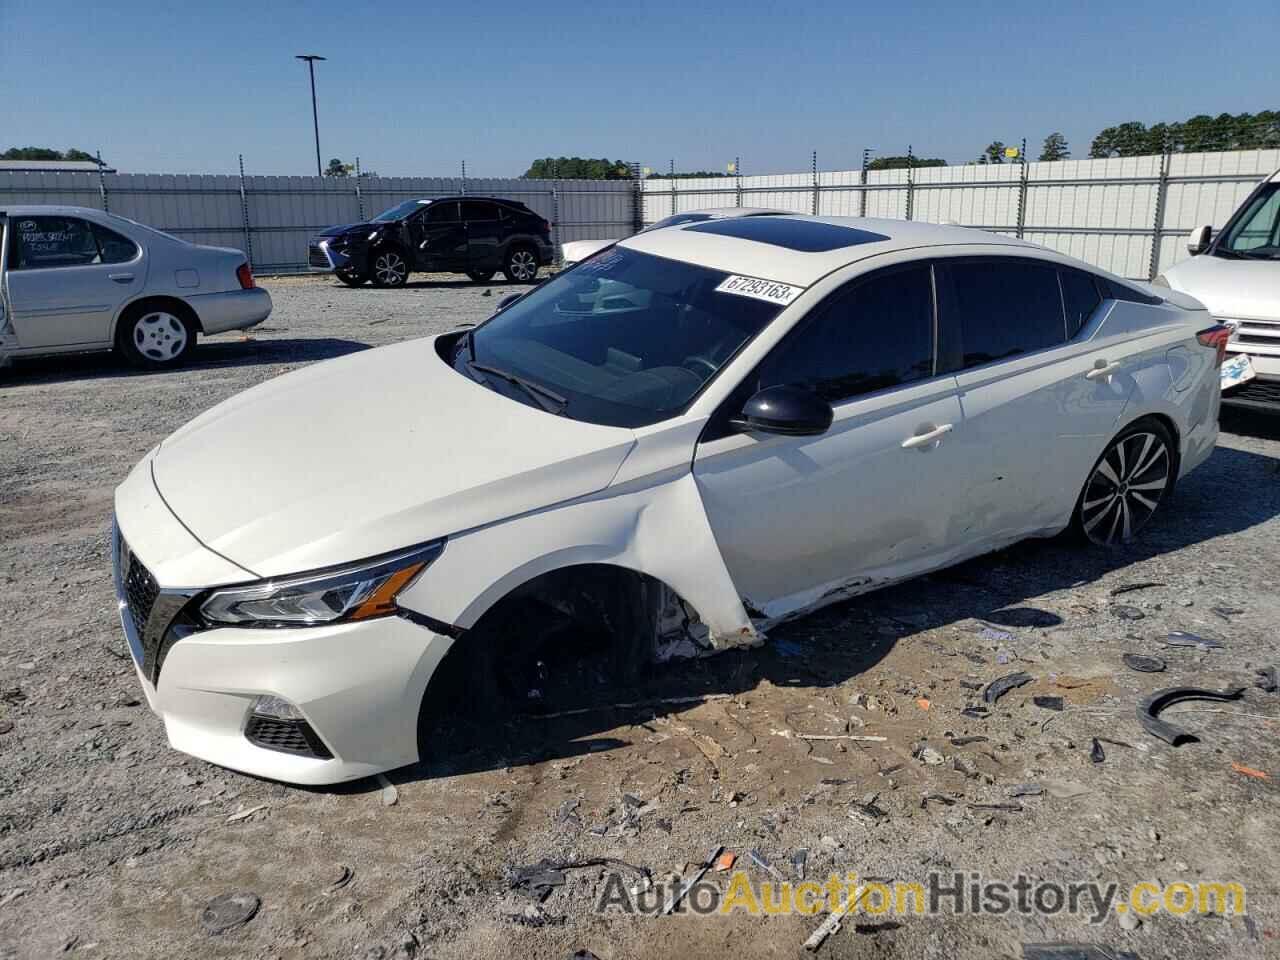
[47, 153]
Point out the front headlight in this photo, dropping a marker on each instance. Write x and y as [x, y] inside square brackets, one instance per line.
[337, 595]
[373, 235]
[1160, 281]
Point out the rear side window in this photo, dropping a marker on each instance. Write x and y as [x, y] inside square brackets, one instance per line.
[874, 334]
[478, 210]
[1080, 297]
[1001, 308]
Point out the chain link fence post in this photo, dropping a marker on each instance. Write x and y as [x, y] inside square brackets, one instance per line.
[556, 241]
[359, 195]
[737, 172]
[102, 185]
[637, 198]
[1157, 220]
[244, 216]
[464, 178]
[813, 169]
[673, 186]
[1022, 189]
[911, 180]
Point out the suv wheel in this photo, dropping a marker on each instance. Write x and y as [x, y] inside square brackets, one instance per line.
[390, 269]
[521, 265]
[352, 278]
[480, 276]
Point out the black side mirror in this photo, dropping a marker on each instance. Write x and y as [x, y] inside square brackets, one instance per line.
[507, 301]
[790, 411]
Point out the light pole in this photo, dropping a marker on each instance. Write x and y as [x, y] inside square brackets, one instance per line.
[311, 59]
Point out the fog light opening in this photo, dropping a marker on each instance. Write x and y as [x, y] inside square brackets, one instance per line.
[277, 708]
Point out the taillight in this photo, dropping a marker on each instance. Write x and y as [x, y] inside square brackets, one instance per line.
[544, 226]
[244, 273]
[1216, 337]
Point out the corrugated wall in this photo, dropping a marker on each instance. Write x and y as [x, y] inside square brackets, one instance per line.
[1106, 212]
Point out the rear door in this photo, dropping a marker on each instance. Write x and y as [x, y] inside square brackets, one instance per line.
[67, 277]
[1039, 400]
[484, 234]
[439, 237]
[804, 520]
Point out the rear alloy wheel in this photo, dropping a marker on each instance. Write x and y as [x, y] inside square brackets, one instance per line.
[155, 338]
[521, 266]
[1127, 484]
[390, 269]
[480, 276]
[352, 278]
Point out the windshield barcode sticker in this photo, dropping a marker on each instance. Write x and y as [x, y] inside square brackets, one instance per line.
[770, 290]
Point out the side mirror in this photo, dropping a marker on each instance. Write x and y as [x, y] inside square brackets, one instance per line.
[786, 410]
[1199, 239]
[507, 301]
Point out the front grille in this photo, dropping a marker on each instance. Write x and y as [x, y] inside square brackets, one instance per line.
[316, 257]
[1255, 392]
[286, 736]
[140, 588]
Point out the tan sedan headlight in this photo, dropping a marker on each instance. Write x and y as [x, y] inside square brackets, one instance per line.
[337, 595]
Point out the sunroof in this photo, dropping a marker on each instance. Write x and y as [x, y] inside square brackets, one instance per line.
[809, 236]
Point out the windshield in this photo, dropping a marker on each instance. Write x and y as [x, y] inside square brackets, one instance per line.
[400, 211]
[1256, 233]
[625, 339]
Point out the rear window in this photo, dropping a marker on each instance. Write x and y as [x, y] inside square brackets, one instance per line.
[1001, 307]
[1080, 297]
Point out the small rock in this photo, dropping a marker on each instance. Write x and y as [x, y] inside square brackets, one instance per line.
[930, 756]
[229, 911]
[5, 726]
[389, 793]
[1125, 612]
[1129, 921]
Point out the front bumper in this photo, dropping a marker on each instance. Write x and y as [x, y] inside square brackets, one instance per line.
[1262, 393]
[359, 686]
[324, 257]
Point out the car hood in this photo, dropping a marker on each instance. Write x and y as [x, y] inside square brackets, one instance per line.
[1231, 289]
[370, 453]
[347, 228]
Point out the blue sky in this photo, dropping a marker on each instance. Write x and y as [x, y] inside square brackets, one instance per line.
[415, 88]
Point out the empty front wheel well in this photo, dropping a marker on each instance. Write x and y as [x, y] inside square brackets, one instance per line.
[179, 308]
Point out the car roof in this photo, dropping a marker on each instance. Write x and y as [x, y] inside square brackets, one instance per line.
[47, 210]
[800, 249]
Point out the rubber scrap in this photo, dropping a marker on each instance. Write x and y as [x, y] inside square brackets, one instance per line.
[1149, 710]
[1048, 703]
[1131, 587]
[1135, 661]
[1062, 950]
[1096, 753]
[1180, 638]
[998, 688]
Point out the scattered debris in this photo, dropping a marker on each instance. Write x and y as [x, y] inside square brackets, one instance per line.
[1149, 710]
[634, 705]
[1010, 807]
[1062, 950]
[1131, 587]
[245, 814]
[534, 916]
[688, 885]
[1135, 661]
[1096, 753]
[1179, 638]
[725, 861]
[965, 741]
[1048, 703]
[1226, 613]
[758, 859]
[1129, 921]
[867, 813]
[936, 798]
[342, 876]
[922, 703]
[537, 880]
[389, 794]
[228, 911]
[6, 726]
[1026, 790]
[1266, 681]
[799, 860]
[975, 712]
[1126, 612]
[930, 756]
[832, 923]
[998, 688]
[830, 736]
[1249, 771]
[991, 633]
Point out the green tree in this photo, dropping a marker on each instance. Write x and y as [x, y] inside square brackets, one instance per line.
[688, 175]
[901, 163]
[1198, 134]
[993, 153]
[1055, 147]
[576, 168]
[337, 168]
[46, 153]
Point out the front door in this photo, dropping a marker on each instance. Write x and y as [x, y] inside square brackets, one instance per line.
[66, 279]
[484, 235]
[801, 521]
[439, 237]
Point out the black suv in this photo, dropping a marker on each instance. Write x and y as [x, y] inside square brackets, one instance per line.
[477, 236]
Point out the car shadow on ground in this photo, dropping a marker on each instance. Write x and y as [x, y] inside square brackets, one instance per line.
[208, 354]
[833, 645]
[1251, 423]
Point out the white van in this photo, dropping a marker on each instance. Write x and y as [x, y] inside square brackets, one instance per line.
[1236, 274]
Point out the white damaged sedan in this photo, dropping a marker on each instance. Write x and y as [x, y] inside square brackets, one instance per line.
[688, 438]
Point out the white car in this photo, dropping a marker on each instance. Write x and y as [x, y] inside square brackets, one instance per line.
[73, 279]
[575, 251]
[1236, 274]
[697, 434]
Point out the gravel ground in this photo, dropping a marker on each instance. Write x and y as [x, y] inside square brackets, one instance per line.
[111, 844]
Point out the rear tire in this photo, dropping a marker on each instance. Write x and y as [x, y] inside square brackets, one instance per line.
[389, 268]
[1134, 475]
[352, 278]
[156, 337]
[520, 265]
[480, 276]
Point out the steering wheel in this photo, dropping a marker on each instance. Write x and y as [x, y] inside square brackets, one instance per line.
[693, 363]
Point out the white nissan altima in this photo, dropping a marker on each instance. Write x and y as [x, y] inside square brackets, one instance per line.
[691, 437]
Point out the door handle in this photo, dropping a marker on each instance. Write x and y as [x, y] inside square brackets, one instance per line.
[927, 440]
[121, 277]
[1103, 371]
